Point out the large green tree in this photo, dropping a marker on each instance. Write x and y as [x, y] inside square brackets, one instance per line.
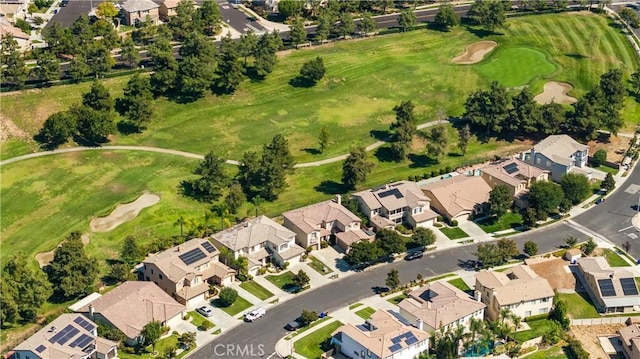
[500, 200]
[423, 236]
[313, 70]
[24, 290]
[345, 25]
[208, 17]
[213, 178]
[404, 129]
[438, 144]
[325, 23]
[575, 186]
[14, 70]
[230, 72]
[464, 138]
[151, 333]
[406, 20]
[290, 8]
[265, 58]
[366, 25]
[235, 198]
[136, 103]
[446, 16]
[390, 241]
[129, 53]
[72, 273]
[609, 183]
[490, 14]
[165, 65]
[196, 70]
[297, 33]
[131, 253]
[356, 167]
[93, 126]
[47, 68]
[488, 108]
[525, 114]
[362, 252]
[56, 130]
[98, 98]
[545, 197]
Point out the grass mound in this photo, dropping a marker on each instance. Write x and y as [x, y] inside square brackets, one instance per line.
[516, 66]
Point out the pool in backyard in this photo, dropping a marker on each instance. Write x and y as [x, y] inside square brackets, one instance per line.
[479, 349]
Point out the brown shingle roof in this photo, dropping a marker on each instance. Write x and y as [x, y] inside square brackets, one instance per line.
[253, 232]
[311, 217]
[517, 284]
[459, 194]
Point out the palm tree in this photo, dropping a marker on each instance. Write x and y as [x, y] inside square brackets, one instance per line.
[516, 320]
[504, 314]
[475, 326]
[181, 221]
[196, 229]
[221, 209]
[257, 201]
[226, 254]
[241, 264]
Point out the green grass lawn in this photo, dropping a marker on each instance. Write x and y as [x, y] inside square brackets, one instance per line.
[283, 281]
[454, 232]
[508, 220]
[356, 305]
[614, 259]
[310, 345]
[197, 319]
[579, 305]
[538, 328]
[238, 306]
[161, 346]
[516, 66]
[607, 169]
[256, 289]
[313, 324]
[551, 353]
[318, 266]
[397, 299]
[365, 313]
[460, 284]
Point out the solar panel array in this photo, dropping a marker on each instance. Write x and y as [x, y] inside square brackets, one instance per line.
[408, 338]
[64, 335]
[394, 348]
[511, 168]
[82, 341]
[41, 348]
[209, 247]
[392, 192]
[629, 286]
[606, 287]
[192, 256]
[84, 324]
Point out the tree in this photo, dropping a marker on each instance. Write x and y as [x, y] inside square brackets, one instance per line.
[345, 25]
[464, 138]
[98, 98]
[32, 8]
[488, 108]
[180, 222]
[99, 60]
[235, 198]
[404, 128]
[72, 273]
[500, 200]
[571, 241]
[129, 53]
[24, 290]
[48, 67]
[165, 65]
[14, 69]
[137, 101]
[545, 197]
[228, 296]
[249, 174]
[213, 179]
[265, 57]
[120, 272]
[366, 25]
[107, 10]
[629, 16]
[446, 16]
[552, 118]
[529, 217]
[356, 167]
[530, 248]
[208, 17]
[390, 241]
[559, 313]
[609, 183]
[229, 72]
[635, 81]
[297, 33]
[93, 126]
[308, 317]
[393, 279]
[406, 20]
[131, 253]
[325, 23]
[589, 247]
[151, 332]
[575, 187]
[78, 68]
[56, 130]
[323, 138]
[613, 93]
[313, 70]
[599, 158]
[362, 252]
[221, 210]
[488, 255]
[507, 248]
[301, 279]
[488, 13]
[272, 169]
[289, 8]
[182, 23]
[187, 340]
[438, 142]
[248, 45]
[525, 114]
[423, 236]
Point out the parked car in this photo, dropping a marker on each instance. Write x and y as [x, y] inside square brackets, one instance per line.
[254, 314]
[205, 311]
[379, 290]
[294, 325]
[414, 255]
[600, 200]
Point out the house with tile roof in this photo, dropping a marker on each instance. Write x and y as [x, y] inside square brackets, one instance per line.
[382, 336]
[518, 289]
[186, 270]
[132, 305]
[136, 11]
[559, 154]
[630, 338]
[261, 240]
[318, 222]
[611, 290]
[458, 197]
[70, 336]
[515, 175]
[7, 29]
[440, 305]
[396, 203]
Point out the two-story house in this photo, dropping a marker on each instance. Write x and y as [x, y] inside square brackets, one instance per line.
[558, 154]
[136, 11]
[261, 240]
[396, 203]
[515, 175]
[382, 336]
[518, 289]
[630, 338]
[611, 290]
[185, 271]
[318, 222]
[459, 197]
[70, 336]
[440, 305]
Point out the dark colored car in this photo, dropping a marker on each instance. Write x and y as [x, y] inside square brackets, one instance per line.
[379, 290]
[414, 255]
[294, 325]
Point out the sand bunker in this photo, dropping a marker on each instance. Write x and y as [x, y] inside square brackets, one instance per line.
[45, 258]
[475, 52]
[123, 213]
[556, 92]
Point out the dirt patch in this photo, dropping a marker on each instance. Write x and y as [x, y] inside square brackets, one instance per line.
[556, 92]
[615, 146]
[588, 336]
[555, 270]
[9, 130]
[475, 52]
[44, 258]
[123, 213]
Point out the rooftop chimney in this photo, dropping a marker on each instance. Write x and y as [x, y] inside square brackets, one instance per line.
[419, 324]
[339, 199]
[91, 311]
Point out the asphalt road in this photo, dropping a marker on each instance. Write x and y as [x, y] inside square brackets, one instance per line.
[258, 339]
[635, 8]
[68, 14]
[238, 20]
[612, 218]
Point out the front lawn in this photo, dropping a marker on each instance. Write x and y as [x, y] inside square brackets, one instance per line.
[365, 313]
[256, 289]
[283, 281]
[161, 347]
[460, 284]
[538, 327]
[614, 259]
[238, 306]
[310, 346]
[397, 299]
[607, 169]
[508, 220]
[197, 319]
[454, 232]
[318, 266]
[579, 305]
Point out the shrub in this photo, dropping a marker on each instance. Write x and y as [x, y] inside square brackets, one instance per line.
[448, 169]
[402, 229]
[309, 249]
[454, 223]
[440, 218]
[285, 265]
[599, 158]
[206, 325]
[262, 270]
[437, 225]
[228, 296]
[324, 244]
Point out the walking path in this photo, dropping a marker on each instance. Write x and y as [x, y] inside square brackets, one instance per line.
[195, 155]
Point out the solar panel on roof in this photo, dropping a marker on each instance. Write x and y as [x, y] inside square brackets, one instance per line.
[209, 247]
[629, 286]
[511, 168]
[412, 340]
[85, 324]
[394, 348]
[70, 334]
[41, 348]
[82, 341]
[192, 256]
[396, 340]
[392, 192]
[606, 287]
[61, 334]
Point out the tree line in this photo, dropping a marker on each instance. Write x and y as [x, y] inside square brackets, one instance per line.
[388, 242]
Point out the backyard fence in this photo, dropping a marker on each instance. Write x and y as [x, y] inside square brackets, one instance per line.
[598, 321]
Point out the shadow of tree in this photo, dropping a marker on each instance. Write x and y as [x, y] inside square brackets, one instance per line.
[384, 154]
[127, 127]
[331, 187]
[420, 160]
[301, 82]
[576, 56]
[311, 151]
[380, 135]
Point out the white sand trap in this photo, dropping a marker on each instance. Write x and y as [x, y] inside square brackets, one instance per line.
[556, 92]
[475, 52]
[123, 213]
[44, 258]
